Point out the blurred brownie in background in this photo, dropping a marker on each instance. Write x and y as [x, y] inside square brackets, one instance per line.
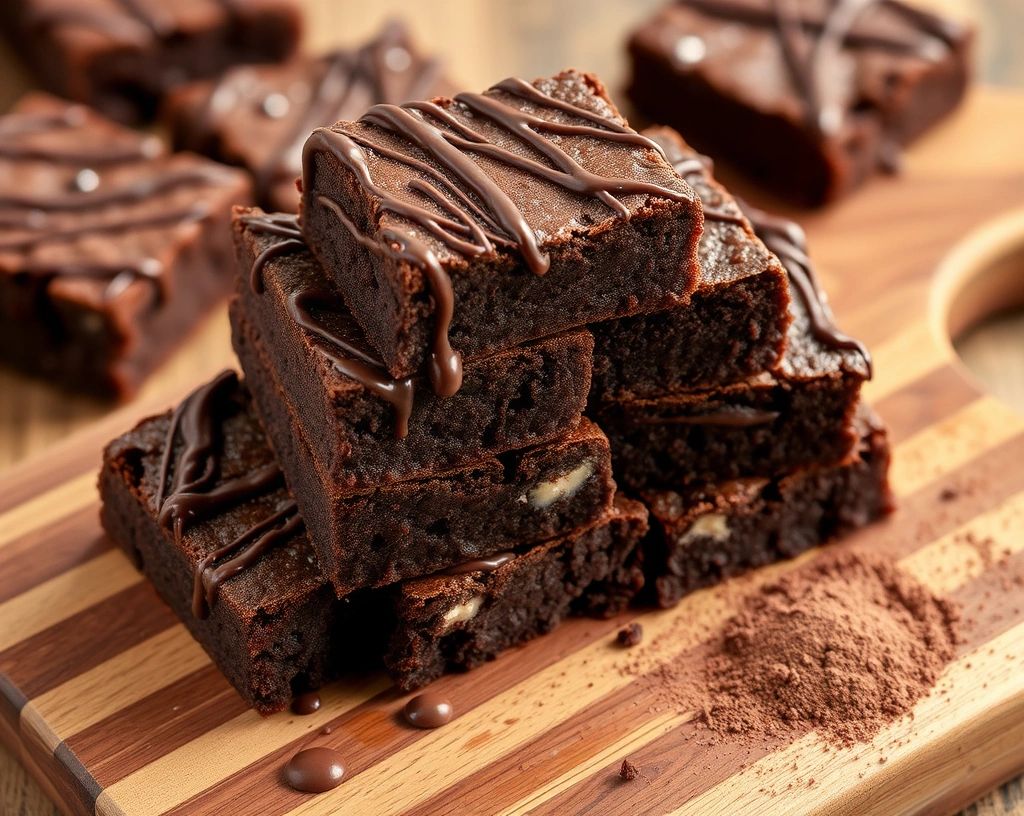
[111, 249]
[122, 57]
[258, 116]
[808, 97]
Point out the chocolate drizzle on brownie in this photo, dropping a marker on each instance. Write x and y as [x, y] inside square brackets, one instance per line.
[787, 240]
[811, 42]
[354, 362]
[488, 564]
[193, 494]
[735, 416]
[471, 214]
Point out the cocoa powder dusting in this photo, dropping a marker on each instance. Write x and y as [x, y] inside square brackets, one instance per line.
[846, 646]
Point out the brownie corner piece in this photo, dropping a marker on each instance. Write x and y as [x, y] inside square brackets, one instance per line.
[538, 210]
[121, 58]
[194, 498]
[112, 249]
[808, 115]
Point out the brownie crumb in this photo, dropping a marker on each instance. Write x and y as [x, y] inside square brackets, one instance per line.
[628, 771]
[631, 635]
[949, 494]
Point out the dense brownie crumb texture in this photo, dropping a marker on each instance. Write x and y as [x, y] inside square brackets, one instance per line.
[809, 98]
[511, 361]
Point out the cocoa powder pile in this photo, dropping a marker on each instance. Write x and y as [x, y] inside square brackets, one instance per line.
[844, 646]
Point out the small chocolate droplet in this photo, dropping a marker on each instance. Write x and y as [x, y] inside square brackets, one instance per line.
[428, 710]
[306, 704]
[315, 770]
[86, 181]
[631, 635]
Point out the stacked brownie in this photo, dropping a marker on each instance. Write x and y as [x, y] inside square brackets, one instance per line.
[407, 471]
[736, 416]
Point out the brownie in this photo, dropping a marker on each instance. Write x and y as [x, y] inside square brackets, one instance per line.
[122, 57]
[494, 219]
[707, 533]
[258, 116]
[809, 102]
[307, 358]
[378, 536]
[111, 249]
[734, 324]
[458, 622]
[796, 416]
[275, 628]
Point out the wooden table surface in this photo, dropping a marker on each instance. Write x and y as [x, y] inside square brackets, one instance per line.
[530, 37]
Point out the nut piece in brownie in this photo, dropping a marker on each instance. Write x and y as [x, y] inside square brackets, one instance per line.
[381, 535]
[458, 622]
[258, 116]
[796, 416]
[704, 534]
[111, 249]
[196, 499]
[809, 97]
[465, 226]
[291, 328]
[122, 57]
[734, 324]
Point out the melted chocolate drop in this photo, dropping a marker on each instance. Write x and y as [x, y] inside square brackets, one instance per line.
[306, 704]
[315, 770]
[473, 196]
[488, 564]
[429, 710]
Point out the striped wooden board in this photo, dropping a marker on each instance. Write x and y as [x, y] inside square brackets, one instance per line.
[116, 710]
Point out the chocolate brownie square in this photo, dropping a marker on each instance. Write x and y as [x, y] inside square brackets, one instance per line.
[376, 536]
[466, 226]
[309, 359]
[458, 622]
[258, 116]
[808, 97]
[111, 249]
[734, 324]
[122, 57]
[195, 498]
[796, 416]
[706, 533]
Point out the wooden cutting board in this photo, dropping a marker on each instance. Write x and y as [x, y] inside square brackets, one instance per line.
[116, 710]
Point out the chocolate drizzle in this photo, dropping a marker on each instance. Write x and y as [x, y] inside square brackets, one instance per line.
[488, 564]
[809, 43]
[193, 494]
[731, 416]
[353, 361]
[462, 206]
[348, 80]
[787, 240]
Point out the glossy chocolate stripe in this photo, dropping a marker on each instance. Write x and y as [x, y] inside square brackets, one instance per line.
[157, 724]
[41, 662]
[50, 550]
